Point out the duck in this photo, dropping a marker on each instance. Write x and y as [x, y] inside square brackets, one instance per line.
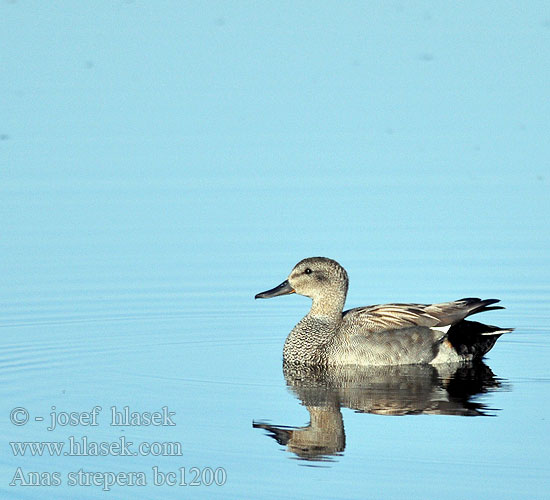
[383, 334]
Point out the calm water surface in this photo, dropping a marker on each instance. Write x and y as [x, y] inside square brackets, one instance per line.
[162, 166]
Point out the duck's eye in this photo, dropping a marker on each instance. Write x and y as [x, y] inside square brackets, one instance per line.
[308, 271]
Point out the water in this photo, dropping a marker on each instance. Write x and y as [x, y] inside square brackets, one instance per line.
[161, 164]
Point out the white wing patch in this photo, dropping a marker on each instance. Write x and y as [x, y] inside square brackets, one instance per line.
[442, 329]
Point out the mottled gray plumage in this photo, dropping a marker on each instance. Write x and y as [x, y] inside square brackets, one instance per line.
[386, 334]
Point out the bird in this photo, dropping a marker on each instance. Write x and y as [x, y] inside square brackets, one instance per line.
[384, 334]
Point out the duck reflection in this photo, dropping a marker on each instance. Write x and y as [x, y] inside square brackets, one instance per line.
[383, 390]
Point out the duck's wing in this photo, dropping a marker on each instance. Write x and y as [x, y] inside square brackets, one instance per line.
[391, 316]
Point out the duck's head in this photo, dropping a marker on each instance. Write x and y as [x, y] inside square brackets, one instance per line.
[316, 277]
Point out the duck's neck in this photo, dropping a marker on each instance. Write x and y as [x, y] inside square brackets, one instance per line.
[329, 306]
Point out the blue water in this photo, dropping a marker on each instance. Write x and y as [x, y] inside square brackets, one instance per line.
[161, 163]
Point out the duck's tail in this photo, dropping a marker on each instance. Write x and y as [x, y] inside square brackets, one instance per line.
[473, 339]
[474, 305]
[449, 313]
[498, 332]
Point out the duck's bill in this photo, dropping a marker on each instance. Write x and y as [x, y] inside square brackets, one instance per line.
[283, 289]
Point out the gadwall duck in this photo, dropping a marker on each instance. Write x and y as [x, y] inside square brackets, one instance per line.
[389, 334]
